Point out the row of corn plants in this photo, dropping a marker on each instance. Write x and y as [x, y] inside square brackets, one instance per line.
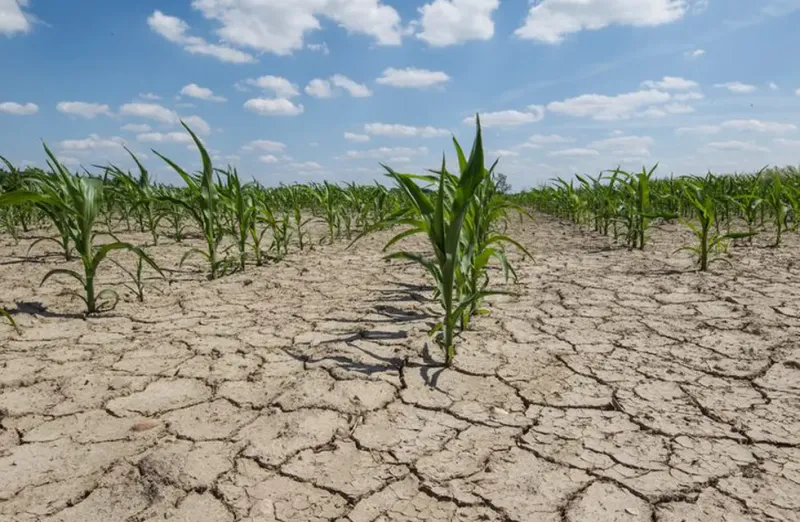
[716, 209]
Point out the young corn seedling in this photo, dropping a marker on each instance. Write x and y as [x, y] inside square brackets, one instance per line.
[241, 210]
[139, 194]
[78, 205]
[440, 217]
[201, 203]
[138, 283]
[708, 243]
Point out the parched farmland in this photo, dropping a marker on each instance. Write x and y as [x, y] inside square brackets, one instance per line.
[560, 360]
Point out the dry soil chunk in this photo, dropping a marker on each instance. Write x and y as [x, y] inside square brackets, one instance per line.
[345, 469]
[274, 437]
[259, 495]
[403, 502]
[406, 431]
[187, 465]
[524, 486]
[605, 502]
[318, 389]
[203, 507]
[160, 396]
[209, 421]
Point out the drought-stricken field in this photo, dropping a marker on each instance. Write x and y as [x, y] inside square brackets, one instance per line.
[617, 385]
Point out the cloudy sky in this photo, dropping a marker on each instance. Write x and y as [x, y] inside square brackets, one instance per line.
[305, 90]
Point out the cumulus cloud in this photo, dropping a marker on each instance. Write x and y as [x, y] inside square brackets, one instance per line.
[349, 136]
[733, 146]
[411, 77]
[509, 118]
[273, 107]
[577, 152]
[386, 152]
[277, 85]
[166, 137]
[337, 83]
[737, 87]
[280, 26]
[267, 145]
[451, 22]
[151, 111]
[404, 131]
[768, 127]
[201, 93]
[19, 109]
[85, 110]
[671, 83]
[175, 30]
[93, 142]
[550, 21]
[609, 108]
[13, 19]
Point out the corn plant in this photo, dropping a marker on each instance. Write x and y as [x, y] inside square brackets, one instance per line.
[708, 242]
[139, 194]
[201, 203]
[77, 203]
[242, 212]
[138, 283]
[4, 313]
[440, 217]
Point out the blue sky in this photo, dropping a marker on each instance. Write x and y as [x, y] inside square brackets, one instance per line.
[326, 89]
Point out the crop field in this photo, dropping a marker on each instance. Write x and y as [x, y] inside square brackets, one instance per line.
[622, 347]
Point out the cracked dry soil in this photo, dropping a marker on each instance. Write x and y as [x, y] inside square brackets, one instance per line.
[618, 386]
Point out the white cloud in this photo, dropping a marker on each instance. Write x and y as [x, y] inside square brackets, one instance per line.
[548, 139]
[678, 108]
[451, 22]
[152, 111]
[511, 118]
[771, 127]
[574, 152]
[319, 48]
[273, 107]
[773, 86]
[201, 93]
[609, 108]
[386, 152]
[627, 146]
[550, 21]
[737, 87]
[268, 159]
[69, 161]
[319, 88]
[93, 142]
[168, 137]
[787, 143]
[197, 124]
[312, 165]
[687, 96]
[175, 30]
[759, 126]
[138, 128]
[671, 83]
[12, 18]
[403, 131]
[349, 136]
[797, 92]
[697, 53]
[356, 90]
[149, 96]
[400, 159]
[504, 152]
[19, 109]
[412, 77]
[279, 26]
[85, 110]
[734, 146]
[267, 145]
[280, 86]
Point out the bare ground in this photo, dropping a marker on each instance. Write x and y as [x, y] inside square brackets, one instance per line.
[618, 386]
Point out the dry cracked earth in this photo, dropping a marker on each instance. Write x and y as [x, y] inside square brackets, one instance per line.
[616, 386]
